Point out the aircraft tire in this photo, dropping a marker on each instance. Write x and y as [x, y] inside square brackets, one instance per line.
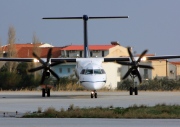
[91, 95]
[136, 91]
[130, 91]
[95, 95]
[48, 92]
[43, 92]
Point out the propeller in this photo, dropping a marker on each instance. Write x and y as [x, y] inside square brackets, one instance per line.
[133, 70]
[46, 66]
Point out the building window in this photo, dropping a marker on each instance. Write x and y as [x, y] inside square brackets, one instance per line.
[67, 53]
[91, 54]
[102, 53]
[118, 71]
[68, 69]
[145, 73]
[5, 54]
[60, 70]
[80, 53]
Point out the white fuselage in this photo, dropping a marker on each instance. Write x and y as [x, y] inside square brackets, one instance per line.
[90, 73]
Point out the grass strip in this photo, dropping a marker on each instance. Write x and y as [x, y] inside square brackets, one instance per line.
[159, 111]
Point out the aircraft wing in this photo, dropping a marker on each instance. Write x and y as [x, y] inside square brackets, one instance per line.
[32, 59]
[105, 59]
[147, 58]
[63, 59]
[116, 59]
[18, 59]
[162, 57]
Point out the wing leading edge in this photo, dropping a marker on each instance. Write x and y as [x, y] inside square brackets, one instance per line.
[32, 59]
[105, 59]
[146, 58]
[162, 57]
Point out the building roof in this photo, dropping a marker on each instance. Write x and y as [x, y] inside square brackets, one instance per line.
[91, 47]
[55, 52]
[175, 63]
[26, 50]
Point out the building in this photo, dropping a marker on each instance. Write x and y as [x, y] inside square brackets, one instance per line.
[114, 71]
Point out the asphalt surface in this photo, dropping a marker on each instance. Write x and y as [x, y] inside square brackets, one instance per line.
[15, 103]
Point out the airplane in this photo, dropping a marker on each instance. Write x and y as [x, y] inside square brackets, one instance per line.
[89, 71]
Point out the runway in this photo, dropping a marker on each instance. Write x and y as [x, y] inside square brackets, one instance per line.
[14, 122]
[24, 102]
[30, 101]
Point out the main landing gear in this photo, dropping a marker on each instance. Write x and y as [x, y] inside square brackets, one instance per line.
[131, 90]
[44, 91]
[94, 94]
[134, 88]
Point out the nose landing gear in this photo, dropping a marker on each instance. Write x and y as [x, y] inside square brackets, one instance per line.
[94, 94]
[134, 88]
[44, 91]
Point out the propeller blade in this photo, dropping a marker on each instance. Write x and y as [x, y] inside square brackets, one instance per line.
[130, 54]
[54, 74]
[49, 55]
[40, 60]
[139, 76]
[127, 74]
[142, 54]
[124, 63]
[146, 66]
[36, 69]
[43, 77]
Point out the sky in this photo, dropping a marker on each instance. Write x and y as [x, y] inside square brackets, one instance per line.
[152, 24]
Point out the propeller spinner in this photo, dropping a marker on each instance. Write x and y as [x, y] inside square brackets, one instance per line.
[133, 70]
[46, 66]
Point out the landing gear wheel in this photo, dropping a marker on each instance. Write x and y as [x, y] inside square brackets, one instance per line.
[48, 92]
[91, 95]
[43, 92]
[130, 91]
[136, 91]
[95, 95]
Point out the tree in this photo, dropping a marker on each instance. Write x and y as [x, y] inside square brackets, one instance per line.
[37, 50]
[1, 51]
[11, 49]
[36, 43]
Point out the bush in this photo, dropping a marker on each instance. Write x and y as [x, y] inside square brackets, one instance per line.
[163, 84]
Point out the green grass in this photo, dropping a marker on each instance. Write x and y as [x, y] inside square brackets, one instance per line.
[160, 111]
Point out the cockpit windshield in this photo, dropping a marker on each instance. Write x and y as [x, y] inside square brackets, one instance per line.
[92, 71]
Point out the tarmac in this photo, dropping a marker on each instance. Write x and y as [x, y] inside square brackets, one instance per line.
[14, 104]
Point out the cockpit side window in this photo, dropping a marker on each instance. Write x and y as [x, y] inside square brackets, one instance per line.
[83, 71]
[103, 72]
